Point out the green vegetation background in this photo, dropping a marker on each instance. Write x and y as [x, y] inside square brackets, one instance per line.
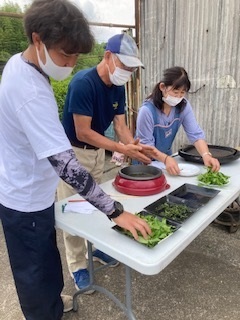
[13, 40]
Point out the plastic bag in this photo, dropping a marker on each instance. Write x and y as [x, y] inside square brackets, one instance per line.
[118, 158]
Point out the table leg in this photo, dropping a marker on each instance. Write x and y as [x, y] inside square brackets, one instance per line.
[129, 293]
[127, 307]
[90, 262]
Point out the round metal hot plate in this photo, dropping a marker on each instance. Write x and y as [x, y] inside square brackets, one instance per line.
[223, 154]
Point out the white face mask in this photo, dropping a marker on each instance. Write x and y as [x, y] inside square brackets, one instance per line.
[119, 77]
[51, 69]
[172, 101]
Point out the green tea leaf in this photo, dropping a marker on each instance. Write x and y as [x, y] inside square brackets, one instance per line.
[160, 230]
[213, 178]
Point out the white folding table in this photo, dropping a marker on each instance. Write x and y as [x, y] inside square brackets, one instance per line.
[97, 229]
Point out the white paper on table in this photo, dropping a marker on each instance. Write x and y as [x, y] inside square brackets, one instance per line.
[79, 207]
[158, 164]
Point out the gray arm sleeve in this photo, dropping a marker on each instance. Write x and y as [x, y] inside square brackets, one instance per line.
[72, 172]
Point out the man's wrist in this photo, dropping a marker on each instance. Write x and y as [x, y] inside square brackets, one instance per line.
[118, 210]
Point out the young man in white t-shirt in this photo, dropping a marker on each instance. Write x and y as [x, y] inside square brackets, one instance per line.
[37, 152]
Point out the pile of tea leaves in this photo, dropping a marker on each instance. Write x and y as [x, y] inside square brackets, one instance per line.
[173, 211]
[160, 230]
[213, 178]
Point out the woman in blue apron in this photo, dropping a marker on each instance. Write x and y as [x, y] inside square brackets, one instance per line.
[162, 114]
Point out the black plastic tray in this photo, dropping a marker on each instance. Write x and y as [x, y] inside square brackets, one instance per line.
[223, 154]
[199, 195]
[175, 224]
[155, 207]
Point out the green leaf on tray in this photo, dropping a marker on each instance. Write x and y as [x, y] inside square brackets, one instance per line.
[173, 211]
[160, 230]
[213, 178]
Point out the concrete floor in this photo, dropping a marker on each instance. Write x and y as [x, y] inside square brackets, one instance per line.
[202, 283]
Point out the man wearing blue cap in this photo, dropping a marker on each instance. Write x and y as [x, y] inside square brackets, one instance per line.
[95, 98]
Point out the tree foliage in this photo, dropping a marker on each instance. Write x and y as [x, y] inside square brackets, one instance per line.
[10, 6]
[14, 40]
[60, 92]
[12, 37]
[91, 59]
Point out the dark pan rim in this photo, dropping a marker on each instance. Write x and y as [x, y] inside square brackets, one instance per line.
[184, 153]
[135, 169]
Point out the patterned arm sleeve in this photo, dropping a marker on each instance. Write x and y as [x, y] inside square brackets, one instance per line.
[72, 172]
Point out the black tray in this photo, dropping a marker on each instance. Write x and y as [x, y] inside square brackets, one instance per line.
[175, 224]
[199, 195]
[223, 154]
[192, 206]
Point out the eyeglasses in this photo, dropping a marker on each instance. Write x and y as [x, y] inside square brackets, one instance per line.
[122, 66]
[128, 68]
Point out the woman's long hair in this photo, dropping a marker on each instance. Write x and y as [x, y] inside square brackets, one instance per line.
[177, 78]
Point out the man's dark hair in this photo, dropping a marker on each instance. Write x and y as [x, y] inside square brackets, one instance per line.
[59, 23]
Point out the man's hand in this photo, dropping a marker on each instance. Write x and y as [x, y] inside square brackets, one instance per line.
[135, 152]
[133, 224]
[139, 151]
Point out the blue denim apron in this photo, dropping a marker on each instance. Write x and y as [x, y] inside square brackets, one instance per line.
[164, 135]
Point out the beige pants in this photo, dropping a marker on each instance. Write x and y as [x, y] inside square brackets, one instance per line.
[93, 161]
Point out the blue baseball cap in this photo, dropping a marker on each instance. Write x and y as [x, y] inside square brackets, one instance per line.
[125, 49]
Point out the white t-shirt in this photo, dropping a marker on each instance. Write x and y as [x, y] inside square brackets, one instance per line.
[30, 131]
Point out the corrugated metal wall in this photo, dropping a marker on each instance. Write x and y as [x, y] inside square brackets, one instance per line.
[203, 37]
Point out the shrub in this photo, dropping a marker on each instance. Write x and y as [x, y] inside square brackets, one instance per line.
[60, 91]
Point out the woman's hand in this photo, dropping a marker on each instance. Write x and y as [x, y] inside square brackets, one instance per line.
[172, 166]
[133, 224]
[209, 161]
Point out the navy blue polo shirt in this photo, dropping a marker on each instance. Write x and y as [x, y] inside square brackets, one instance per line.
[88, 95]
